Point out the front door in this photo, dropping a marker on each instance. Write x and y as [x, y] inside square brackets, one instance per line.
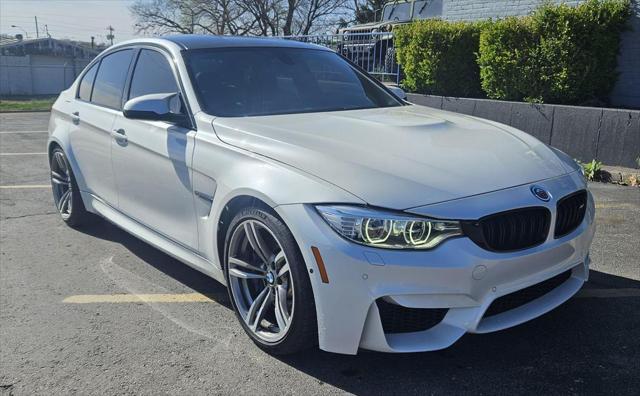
[152, 159]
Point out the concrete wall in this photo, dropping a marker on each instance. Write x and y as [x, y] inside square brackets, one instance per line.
[609, 135]
[37, 74]
[626, 93]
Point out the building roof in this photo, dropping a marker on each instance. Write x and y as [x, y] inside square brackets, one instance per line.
[45, 46]
[196, 41]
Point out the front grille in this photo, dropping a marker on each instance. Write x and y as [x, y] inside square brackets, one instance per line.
[399, 319]
[358, 35]
[526, 295]
[512, 230]
[570, 213]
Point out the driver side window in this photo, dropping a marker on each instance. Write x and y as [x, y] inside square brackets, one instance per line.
[152, 74]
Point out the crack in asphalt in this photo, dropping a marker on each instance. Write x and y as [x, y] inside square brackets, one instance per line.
[27, 215]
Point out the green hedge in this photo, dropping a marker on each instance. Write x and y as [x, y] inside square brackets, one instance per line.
[438, 57]
[559, 54]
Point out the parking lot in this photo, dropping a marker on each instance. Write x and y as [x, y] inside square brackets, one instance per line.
[98, 311]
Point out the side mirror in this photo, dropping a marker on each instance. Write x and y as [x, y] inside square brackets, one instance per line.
[156, 107]
[399, 92]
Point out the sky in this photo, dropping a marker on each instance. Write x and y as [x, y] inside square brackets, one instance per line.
[68, 19]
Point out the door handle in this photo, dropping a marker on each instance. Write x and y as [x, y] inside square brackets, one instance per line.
[119, 135]
[75, 117]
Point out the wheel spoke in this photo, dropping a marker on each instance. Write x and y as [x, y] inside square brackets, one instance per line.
[283, 270]
[279, 258]
[281, 307]
[61, 162]
[244, 275]
[242, 263]
[257, 243]
[58, 178]
[63, 200]
[257, 309]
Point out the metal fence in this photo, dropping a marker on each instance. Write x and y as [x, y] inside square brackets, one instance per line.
[25, 76]
[372, 51]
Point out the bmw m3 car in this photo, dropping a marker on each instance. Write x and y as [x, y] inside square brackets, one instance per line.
[336, 213]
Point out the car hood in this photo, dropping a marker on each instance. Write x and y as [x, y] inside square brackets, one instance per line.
[398, 157]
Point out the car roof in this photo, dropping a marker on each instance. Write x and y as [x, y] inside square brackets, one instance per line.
[198, 41]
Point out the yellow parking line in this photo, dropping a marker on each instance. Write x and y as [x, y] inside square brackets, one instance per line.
[129, 298]
[203, 298]
[13, 154]
[15, 187]
[615, 206]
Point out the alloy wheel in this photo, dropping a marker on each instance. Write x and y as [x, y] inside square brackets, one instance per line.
[260, 281]
[61, 183]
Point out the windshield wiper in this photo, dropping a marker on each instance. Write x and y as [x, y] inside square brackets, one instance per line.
[426, 2]
[395, 4]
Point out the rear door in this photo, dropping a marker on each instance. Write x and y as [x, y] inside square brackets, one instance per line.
[98, 101]
[152, 159]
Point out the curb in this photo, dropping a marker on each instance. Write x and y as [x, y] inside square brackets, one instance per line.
[619, 175]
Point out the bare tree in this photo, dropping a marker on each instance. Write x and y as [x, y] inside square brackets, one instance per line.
[238, 17]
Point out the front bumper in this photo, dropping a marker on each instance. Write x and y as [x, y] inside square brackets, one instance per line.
[458, 275]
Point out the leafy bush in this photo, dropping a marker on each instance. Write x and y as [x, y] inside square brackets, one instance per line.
[591, 169]
[559, 54]
[439, 57]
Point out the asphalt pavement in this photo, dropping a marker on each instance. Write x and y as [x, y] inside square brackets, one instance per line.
[70, 321]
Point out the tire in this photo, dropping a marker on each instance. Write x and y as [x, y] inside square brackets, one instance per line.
[390, 60]
[274, 298]
[66, 195]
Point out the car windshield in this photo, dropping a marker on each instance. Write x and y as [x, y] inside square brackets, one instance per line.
[254, 81]
[427, 9]
[397, 12]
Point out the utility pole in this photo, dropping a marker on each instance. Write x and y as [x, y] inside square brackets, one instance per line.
[110, 36]
[37, 31]
[46, 29]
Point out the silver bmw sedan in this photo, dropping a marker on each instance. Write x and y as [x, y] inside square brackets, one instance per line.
[336, 213]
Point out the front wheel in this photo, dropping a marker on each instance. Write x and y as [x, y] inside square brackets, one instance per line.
[268, 283]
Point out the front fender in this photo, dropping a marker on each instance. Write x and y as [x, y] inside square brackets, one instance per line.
[222, 172]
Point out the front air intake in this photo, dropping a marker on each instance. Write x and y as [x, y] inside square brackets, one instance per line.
[398, 319]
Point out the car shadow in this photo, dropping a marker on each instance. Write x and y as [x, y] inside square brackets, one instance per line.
[587, 345]
[161, 261]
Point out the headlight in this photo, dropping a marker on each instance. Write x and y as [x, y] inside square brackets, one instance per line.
[387, 229]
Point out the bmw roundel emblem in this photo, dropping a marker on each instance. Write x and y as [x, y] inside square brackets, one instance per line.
[540, 193]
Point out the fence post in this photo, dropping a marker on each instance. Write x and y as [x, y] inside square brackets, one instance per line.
[32, 92]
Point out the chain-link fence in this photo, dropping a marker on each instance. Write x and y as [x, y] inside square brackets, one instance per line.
[23, 75]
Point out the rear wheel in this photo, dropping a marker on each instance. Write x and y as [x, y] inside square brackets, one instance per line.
[66, 195]
[268, 285]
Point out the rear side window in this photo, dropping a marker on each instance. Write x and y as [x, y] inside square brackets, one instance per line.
[86, 84]
[112, 74]
[152, 75]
